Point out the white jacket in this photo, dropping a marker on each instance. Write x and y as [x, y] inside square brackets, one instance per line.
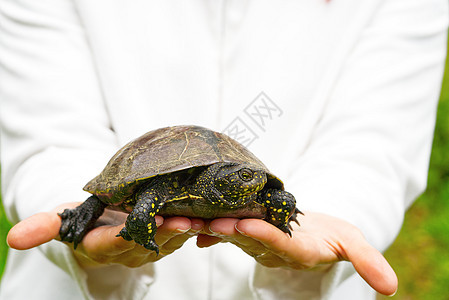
[337, 98]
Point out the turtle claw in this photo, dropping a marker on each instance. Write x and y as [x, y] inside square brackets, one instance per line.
[294, 217]
[124, 234]
[65, 226]
[286, 228]
[151, 245]
[71, 229]
[76, 222]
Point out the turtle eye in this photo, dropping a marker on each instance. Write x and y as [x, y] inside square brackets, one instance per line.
[245, 174]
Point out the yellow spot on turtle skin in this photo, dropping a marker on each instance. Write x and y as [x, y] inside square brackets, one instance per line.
[268, 195]
[155, 198]
[175, 184]
[284, 203]
[273, 218]
[279, 210]
[152, 205]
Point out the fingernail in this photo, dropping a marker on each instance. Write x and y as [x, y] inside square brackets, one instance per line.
[180, 231]
[211, 232]
[196, 226]
[240, 231]
[392, 295]
[214, 233]
[193, 232]
[159, 221]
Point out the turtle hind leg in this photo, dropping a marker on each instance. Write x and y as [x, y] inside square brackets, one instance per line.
[140, 224]
[281, 208]
[76, 222]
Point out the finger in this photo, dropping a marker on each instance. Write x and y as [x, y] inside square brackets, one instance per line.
[172, 226]
[34, 231]
[103, 239]
[207, 238]
[268, 235]
[181, 235]
[174, 243]
[372, 267]
[197, 225]
[223, 227]
[170, 237]
[299, 252]
[251, 246]
[226, 228]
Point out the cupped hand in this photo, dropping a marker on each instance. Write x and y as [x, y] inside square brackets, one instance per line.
[100, 246]
[318, 242]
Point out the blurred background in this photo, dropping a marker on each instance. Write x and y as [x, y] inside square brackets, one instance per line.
[420, 255]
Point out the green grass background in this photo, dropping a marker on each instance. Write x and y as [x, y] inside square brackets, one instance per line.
[420, 255]
[4, 227]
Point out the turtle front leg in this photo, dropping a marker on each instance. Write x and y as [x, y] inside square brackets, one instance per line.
[140, 224]
[75, 223]
[281, 208]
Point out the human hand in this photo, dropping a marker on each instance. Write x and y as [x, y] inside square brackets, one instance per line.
[100, 246]
[318, 242]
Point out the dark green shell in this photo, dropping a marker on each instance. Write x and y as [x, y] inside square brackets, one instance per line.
[164, 151]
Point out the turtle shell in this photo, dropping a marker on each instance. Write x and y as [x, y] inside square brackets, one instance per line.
[167, 150]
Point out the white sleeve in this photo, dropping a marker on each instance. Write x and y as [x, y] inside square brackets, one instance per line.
[55, 130]
[53, 118]
[368, 156]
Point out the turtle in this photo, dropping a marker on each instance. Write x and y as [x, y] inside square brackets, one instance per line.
[184, 170]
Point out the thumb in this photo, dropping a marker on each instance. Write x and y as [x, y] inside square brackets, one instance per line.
[34, 231]
[373, 267]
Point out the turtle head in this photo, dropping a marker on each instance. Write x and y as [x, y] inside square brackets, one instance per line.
[238, 183]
